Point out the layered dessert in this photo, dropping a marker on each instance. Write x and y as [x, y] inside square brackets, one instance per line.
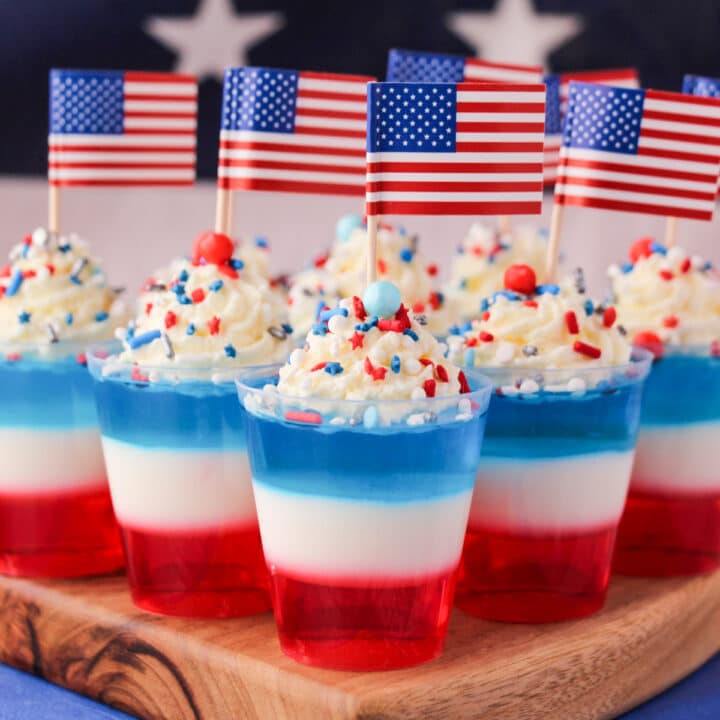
[669, 301]
[174, 441]
[363, 510]
[479, 265]
[55, 513]
[558, 450]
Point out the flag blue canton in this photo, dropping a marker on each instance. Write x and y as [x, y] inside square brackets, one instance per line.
[87, 103]
[259, 99]
[553, 118]
[411, 118]
[410, 66]
[603, 118]
[703, 86]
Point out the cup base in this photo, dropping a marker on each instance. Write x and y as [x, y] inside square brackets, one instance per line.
[211, 574]
[538, 578]
[379, 627]
[58, 535]
[668, 536]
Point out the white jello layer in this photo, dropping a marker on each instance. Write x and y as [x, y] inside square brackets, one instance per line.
[51, 460]
[333, 538]
[170, 489]
[678, 458]
[579, 492]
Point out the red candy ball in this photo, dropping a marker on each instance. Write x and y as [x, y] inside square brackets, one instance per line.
[641, 249]
[520, 278]
[650, 341]
[214, 248]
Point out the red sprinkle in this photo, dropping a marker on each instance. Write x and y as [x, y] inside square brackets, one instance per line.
[425, 362]
[486, 336]
[197, 295]
[685, 265]
[464, 387]
[170, 319]
[377, 373]
[432, 270]
[641, 249]
[402, 316]
[715, 348]
[429, 387]
[231, 272]
[434, 300]
[418, 307]
[650, 341]
[304, 417]
[486, 315]
[81, 359]
[670, 321]
[571, 322]
[359, 308]
[148, 308]
[520, 278]
[28, 274]
[382, 266]
[389, 325]
[137, 375]
[609, 317]
[5, 271]
[588, 350]
[530, 303]
[51, 268]
[666, 275]
[320, 261]
[441, 373]
[356, 340]
[319, 366]
[13, 357]
[471, 342]
[214, 325]
[476, 250]
[27, 240]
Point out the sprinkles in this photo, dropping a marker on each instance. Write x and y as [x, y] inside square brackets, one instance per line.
[143, 339]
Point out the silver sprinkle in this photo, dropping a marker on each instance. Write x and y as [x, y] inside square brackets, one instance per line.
[119, 290]
[530, 350]
[167, 346]
[622, 330]
[430, 417]
[277, 332]
[420, 319]
[355, 420]
[157, 287]
[414, 240]
[78, 266]
[307, 293]
[52, 333]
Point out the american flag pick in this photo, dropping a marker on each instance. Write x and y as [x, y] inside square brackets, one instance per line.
[702, 87]
[292, 131]
[455, 149]
[643, 151]
[118, 128]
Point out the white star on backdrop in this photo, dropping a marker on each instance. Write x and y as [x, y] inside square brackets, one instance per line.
[214, 38]
[514, 32]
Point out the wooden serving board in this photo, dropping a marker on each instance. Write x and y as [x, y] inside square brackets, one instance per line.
[87, 636]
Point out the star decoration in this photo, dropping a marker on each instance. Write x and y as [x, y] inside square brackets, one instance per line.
[356, 340]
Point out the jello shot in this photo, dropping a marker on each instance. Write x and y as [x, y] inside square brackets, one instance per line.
[174, 439]
[670, 303]
[56, 519]
[557, 455]
[363, 453]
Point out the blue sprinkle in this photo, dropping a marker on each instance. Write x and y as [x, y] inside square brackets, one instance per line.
[215, 285]
[65, 248]
[708, 266]
[484, 305]
[411, 333]
[288, 328]
[658, 248]
[466, 326]
[75, 279]
[69, 318]
[184, 300]
[178, 288]
[319, 329]
[406, 255]
[603, 385]
[509, 294]
[190, 329]
[15, 282]
[24, 317]
[373, 321]
[25, 251]
[454, 330]
[491, 259]
[626, 267]
[551, 289]
[402, 231]
[144, 339]
[395, 364]
[319, 308]
[463, 283]
[236, 264]
[129, 334]
[370, 417]
[440, 297]
[101, 316]
[261, 242]
[589, 307]
[469, 357]
[325, 315]
[503, 246]
[183, 276]
[460, 250]
[230, 351]
[333, 368]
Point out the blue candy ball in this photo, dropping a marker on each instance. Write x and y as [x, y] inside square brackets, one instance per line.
[346, 225]
[382, 299]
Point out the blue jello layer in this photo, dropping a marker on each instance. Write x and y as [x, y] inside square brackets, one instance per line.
[189, 416]
[390, 465]
[682, 389]
[46, 394]
[559, 425]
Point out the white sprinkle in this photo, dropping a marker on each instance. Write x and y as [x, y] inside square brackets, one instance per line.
[40, 237]
[297, 356]
[529, 387]
[120, 334]
[338, 420]
[464, 406]
[697, 262]
[614, 271]
[416, 419]
[675, 255]
[338, 324]
[577, 385]
[509, 390]
[412, 366]
[370, 417]
[505, 353]
[418, 394]
[463, 416]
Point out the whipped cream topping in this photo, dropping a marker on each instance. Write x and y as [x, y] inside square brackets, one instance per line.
[311, 291]
[667, 292]
[481, 259]
[54, 290]
[351, 355]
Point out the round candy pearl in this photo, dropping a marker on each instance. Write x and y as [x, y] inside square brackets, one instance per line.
[346, 225]
[520, 278]
[214, 248]
[382, 299]
[641, 248]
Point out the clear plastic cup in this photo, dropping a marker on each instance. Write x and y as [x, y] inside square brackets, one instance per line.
[363, 507]
[174, 445]
[671, 524]
[56, 518]
[550, 490]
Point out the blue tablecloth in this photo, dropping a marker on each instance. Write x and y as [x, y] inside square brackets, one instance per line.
[24, 697]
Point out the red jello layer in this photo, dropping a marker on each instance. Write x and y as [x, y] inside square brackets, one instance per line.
[379, 625]
[60, 534]
[533, 576]
[663, 535]
[217, 572]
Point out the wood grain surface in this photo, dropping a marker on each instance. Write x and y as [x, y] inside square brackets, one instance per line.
[87, 636]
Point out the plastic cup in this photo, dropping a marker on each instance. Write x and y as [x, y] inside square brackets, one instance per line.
[363, 507]
[550, 490]
[56, 518]
[174, 444]
[671, 524]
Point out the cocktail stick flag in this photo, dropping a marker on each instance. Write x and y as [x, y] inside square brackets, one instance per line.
[702, 87]
[643, 151]
[117, 128]
[557, 93]
[455, 149]
[291, 131]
